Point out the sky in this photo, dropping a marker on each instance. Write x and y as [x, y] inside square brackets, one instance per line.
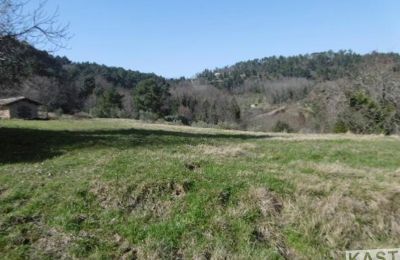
[175, 38]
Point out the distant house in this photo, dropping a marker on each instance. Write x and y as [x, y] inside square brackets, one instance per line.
[20, 107]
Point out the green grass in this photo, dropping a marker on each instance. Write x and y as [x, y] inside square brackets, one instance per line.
[121, 188]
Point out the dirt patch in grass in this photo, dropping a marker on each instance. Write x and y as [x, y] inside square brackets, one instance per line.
[192, 166]
[125, 249]
[105, 194]
[54, 244]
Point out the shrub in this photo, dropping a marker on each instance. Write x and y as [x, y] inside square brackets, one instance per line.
[148, 116]
[177, 119]
[282, 127]
[58, 112]
[340, 127]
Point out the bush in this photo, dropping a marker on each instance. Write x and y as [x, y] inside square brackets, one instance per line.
[82, 115]
[202, 124]
[177, 119]
[282, 127]
[148, 116]
[58, 112]
[340, 127]
[228, 125]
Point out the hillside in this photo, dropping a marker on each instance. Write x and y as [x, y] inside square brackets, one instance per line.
[322, 92]
[120, 188]
[60, 83]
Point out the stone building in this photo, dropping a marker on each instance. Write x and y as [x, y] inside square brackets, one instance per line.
[20, 107]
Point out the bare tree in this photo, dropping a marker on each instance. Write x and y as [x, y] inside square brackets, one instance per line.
[36, 26]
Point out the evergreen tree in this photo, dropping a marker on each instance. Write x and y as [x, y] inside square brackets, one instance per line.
[151, 95]
[109, 103]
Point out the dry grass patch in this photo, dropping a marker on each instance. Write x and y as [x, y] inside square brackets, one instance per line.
[335, 170]
[336, 212]
[329, 168]
[268, 203]
[231, 150]
[268, 229]
[270, 233]
[338, 218]
[155, 199]
[330, 137]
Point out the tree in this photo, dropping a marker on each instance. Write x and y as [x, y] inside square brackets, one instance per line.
[109, 103]
[366, 116]
[89, 85]
[150, 95]
[235, 109]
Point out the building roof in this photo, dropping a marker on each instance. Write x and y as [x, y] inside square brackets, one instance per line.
[9, 101]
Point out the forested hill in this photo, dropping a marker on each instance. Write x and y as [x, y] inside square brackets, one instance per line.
[321, 92]
[321, 66]
[57, 81]
[26, 61]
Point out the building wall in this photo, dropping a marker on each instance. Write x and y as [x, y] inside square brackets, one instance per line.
[4, 113]
[23, 109]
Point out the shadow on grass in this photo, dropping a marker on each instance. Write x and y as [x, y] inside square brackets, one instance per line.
[35, 145]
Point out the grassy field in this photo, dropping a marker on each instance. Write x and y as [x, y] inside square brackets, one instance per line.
[124, 189]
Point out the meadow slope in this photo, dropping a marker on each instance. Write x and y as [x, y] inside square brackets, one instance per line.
[123, 189]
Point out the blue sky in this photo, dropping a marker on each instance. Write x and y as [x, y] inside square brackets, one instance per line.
[183, 37]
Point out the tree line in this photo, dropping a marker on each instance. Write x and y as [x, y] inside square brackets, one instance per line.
[320, 92]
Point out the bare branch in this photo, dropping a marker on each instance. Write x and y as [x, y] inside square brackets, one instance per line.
[36, 27]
